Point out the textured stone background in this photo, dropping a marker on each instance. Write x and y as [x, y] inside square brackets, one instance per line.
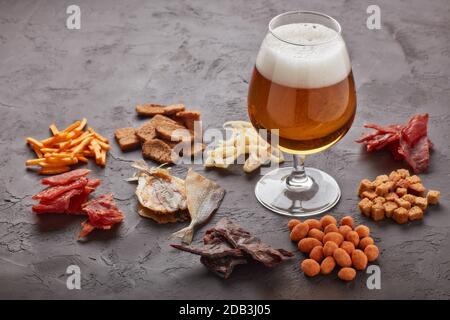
[201, 53]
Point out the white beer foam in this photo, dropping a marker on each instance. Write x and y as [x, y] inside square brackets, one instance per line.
[304, 66]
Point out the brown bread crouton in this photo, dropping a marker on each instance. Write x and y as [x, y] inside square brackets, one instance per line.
[150, 110]
[146, 131]
[157, 150]
[187, 118]
[126, 138]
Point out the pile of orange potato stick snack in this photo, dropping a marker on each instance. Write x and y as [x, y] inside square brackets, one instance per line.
[68, 147]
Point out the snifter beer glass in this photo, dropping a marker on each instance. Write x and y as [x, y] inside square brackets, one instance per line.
[302, 85]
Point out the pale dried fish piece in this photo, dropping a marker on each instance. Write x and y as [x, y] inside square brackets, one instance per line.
[179, 216]
[159, 191]
[244, 140]
[203, 198]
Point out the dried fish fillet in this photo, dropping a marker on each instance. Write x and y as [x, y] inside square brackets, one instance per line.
[179, 216]
[203, 198]
[159, 191]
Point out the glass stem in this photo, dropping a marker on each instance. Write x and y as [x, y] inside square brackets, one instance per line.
[298, 180]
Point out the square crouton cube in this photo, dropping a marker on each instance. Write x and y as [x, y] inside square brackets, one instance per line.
[391, 185]
[369, 194]
[410, 198]
[377, 212]
[127, 139]
[382, 189]
[394, 176]
[389, 208]
[400, 215]
[403, 203]
[401, 191]
[415, 213]
[417, 189]
[403, 173]
[403, 183]
[379, 200]
[365, 206]
[433, 196]
[391, 196]
[380, 180]
[414, 179]
[365, 185]
[421, 202]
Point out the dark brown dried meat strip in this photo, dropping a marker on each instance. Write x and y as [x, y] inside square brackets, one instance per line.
[222, 267]
[242, 239]
[213, 251]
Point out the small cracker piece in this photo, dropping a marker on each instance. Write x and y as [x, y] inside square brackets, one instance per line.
[433, 196]
[421, 202]
[410, 198]
[403, 173]
[383, 178]
[400, 215]
[127, 139]
[365, 206]
[389, 208]
[365, 185]
[417, 189]
[157, 150]
[415, 213]
[394, 176]
[377, 212]
[369, 194]
[403, 183]
[379, 200]
[383, 188]
[150, 110]
[403, 203]
[414, 179]
[391, 196]
[401, 191]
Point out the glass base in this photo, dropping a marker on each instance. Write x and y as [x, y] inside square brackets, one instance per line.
[321, 195]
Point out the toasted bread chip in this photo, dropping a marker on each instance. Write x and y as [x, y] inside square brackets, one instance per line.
[124, 132]
[127, 139]
[150, 110]
[188, 118]
[146, 131]
[157, 150]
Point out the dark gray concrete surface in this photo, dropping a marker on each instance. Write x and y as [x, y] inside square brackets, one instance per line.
[201, 53]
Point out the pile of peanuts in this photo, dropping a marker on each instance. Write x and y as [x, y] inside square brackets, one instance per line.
[328, 245]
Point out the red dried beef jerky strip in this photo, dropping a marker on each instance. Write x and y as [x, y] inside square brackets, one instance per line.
[102, 214]
[65, 178]
[52, 193]
[418, 156]
[415, 129]
[78, 200]
[58, 205]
